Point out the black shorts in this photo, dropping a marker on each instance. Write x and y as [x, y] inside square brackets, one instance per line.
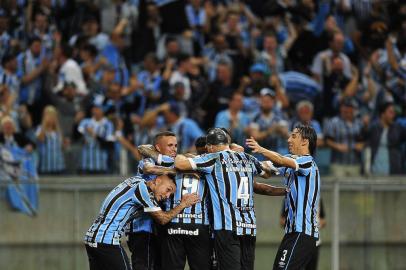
[107, 257]
[295, 251]
[235, 252]
[144, 249]
[186, 241]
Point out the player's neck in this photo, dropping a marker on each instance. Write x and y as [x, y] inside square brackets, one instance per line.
[220, 147]
[302, 152]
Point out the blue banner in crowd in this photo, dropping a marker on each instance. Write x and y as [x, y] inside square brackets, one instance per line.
[17, 168]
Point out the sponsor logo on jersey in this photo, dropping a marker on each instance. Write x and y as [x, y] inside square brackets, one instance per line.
[180, 231]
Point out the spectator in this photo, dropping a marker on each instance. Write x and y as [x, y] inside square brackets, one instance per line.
[113, 53]
[234, 120]
[50, 143]
[198, 22]
[220, 93]
[7, 104]
[257, 80]
[273, 53]
[120, 16]
[144, 38]
[268, 127]
[337, 86]
[304, 47]
[69, 70]
[385, 138]
[32, 67]
[91, 32]
[97, 132]
[150, 77]
[180, 74]
[323, 62]
[345, 138]
[8, 74]
[44, 31]
[215, 53]
[186, 129]
[304, 116]
[10, 138]
[5, 38]
[92, 65]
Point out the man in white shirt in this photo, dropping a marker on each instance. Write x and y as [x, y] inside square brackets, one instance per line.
[322, 63]
[69, 71]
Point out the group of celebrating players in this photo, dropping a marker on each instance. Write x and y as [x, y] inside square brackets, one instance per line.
[200, 207]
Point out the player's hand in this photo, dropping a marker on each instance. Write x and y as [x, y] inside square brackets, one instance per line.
[253, 144]
[271, 167]
[189, 199]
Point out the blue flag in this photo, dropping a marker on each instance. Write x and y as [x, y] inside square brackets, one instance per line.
[18, 169]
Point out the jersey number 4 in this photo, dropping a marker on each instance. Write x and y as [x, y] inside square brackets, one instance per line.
[190, 184]
[243, 190]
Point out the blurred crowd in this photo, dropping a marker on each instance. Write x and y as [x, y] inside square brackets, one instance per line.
[79, 80]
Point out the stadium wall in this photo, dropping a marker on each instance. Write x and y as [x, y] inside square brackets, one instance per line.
[372, 223]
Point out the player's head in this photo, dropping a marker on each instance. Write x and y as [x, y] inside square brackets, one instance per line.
[302, 140]
[166, 144]
[216, 137]
[225, 131]
[164, 186]
[200, 145]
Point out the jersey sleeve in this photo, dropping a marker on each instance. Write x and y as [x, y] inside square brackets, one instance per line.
[146, 199]
[203, 163]
[165, 161]
[257, 166]
[303, 164]
[142, 162]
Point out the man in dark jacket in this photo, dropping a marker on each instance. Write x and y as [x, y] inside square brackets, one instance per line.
[385, 138]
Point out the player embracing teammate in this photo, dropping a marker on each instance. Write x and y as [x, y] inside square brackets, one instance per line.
[223, 181]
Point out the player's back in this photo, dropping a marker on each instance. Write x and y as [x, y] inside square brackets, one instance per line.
[121, 205]
[230, 176]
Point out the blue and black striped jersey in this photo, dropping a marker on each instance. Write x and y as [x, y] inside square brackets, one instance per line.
[185, 183]
[230, 177]
[302, 201]
[124, 203]
[144, 222]
[196, 214]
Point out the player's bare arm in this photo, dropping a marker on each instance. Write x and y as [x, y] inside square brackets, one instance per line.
[163, 217]
[265, 189]
[271, 155]
[148, 151]
[182, 163]
[158, 170]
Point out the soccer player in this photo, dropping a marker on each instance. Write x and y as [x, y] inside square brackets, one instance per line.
[142, 239]
[230, 177]
[187, 235]
[302, 200]
[125, 202]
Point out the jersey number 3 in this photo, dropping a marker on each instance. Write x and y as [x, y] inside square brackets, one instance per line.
[190, 184]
